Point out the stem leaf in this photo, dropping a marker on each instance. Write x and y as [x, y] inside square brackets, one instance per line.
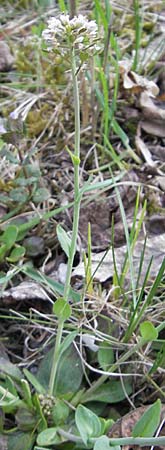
[148, 331]
[62, 309]
[67, 341]
[64, 239]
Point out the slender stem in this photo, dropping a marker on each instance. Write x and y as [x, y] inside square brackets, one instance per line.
[55, 357]
[77, 196]
[142, 442]
[130, 441]
[76, 210]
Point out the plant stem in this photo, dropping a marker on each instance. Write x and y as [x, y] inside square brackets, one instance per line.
[77, 196]
[55, 357]
[76, 210]
[130, 441]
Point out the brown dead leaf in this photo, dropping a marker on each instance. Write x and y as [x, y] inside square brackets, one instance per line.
[124, 426]
[152, 108]
[157, 151]
[153, 111]
[144, 150]
[155, 128]
[135, 83]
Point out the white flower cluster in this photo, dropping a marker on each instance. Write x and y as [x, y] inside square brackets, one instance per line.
[78, 33]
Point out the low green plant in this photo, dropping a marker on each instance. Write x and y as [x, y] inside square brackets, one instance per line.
[9, 249]
[25, 185]
[44, 420]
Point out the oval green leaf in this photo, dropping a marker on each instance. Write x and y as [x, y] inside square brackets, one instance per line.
[10, 369]
[60, 412]
[110, 392]
[48, 437]
[105, 355]
[62, 309]
[19, 195]
[69, 372]
[88, 423]
[20, 440]
[16, 254]
[41, 195]
[9, 236]
[148, 331]
[149, 422]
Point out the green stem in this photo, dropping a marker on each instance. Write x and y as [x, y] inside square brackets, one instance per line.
[130, 441]
[77, 196]
[142, 442]
[55, 357]
[76, 210]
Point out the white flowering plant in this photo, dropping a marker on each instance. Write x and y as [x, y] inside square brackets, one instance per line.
[75, 39]
[64, 34]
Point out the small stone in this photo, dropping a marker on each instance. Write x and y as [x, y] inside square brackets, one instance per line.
[34, 246]
[6, 58]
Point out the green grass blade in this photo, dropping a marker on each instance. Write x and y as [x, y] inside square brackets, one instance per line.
[105, 88]
[130, 258]
[152, 292]
[135, 316]
[117, 159]
[100, 15]
[62, 6]
[108, 10]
